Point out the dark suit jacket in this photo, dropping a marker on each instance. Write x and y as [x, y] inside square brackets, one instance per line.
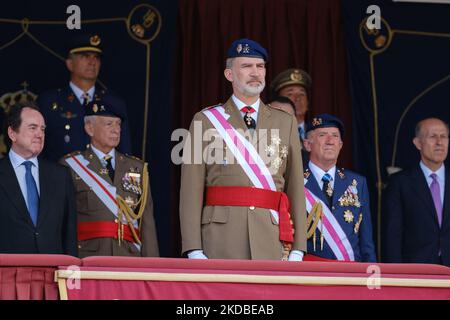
[410, 229]
[64, 117]
[55, 232]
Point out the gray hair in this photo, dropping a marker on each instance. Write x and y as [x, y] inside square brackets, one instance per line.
[89, 119]
[229, 63]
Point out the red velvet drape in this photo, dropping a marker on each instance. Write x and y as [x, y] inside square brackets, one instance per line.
[31, 276]
[297, 33]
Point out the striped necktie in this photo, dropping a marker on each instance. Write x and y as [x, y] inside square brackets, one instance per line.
[327, 190]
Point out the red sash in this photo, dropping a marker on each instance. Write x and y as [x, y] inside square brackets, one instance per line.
[256, 197]
[105, 229]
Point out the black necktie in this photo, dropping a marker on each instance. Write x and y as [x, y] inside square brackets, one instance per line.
[108, 159]
[249, 121]
[327, 190]
[85, 99]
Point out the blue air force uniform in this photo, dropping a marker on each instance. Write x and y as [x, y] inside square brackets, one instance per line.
[64, 109]
[346, 194]
[64, 118]
[354, 220]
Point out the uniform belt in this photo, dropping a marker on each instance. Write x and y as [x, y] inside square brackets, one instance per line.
[256, 197]
[105, 229]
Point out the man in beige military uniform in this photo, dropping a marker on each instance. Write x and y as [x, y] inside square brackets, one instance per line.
[222, 214]
[113, 196]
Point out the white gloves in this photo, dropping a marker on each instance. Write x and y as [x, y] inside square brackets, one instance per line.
[197, 254]
[296, 255]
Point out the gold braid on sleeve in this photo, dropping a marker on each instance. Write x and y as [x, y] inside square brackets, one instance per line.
[128, 212]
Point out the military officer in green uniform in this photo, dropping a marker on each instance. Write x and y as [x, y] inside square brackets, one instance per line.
[113, 195]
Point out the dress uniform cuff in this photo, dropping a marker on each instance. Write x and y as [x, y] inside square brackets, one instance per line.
[296, 255]
[197, 254]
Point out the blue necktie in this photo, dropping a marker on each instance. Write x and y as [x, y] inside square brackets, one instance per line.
[327, 190]
[32, 193]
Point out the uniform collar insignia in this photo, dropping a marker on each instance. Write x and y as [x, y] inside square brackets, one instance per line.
[341, 173]
[71, 97]
[307, 173]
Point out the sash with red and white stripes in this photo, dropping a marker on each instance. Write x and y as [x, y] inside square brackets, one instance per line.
[244, 152]
[332, 230]
[102, 189]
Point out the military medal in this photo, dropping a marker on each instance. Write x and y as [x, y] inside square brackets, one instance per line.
[348, 216]
[130, 202]
[276, 149]
[350, 197]
[68, 115]
[275, 139]
[277, 163]
[284, 152]
[329, 190]
[353, 187]
[104, 171]
[131, 181]
[307, 173]
[248, 119]
[270, 150]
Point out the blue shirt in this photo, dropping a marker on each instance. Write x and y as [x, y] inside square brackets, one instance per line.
[319, 173]
[80, 93]
[302, 130]
[19, 169]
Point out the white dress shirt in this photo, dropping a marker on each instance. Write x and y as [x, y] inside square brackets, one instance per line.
[319, 173]
[80, 93]
[240, 105]
[440, 173]
[20, 170]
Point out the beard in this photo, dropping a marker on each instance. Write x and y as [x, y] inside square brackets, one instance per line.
[248, 90]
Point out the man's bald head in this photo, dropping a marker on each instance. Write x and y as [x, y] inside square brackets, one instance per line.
[432, 142]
